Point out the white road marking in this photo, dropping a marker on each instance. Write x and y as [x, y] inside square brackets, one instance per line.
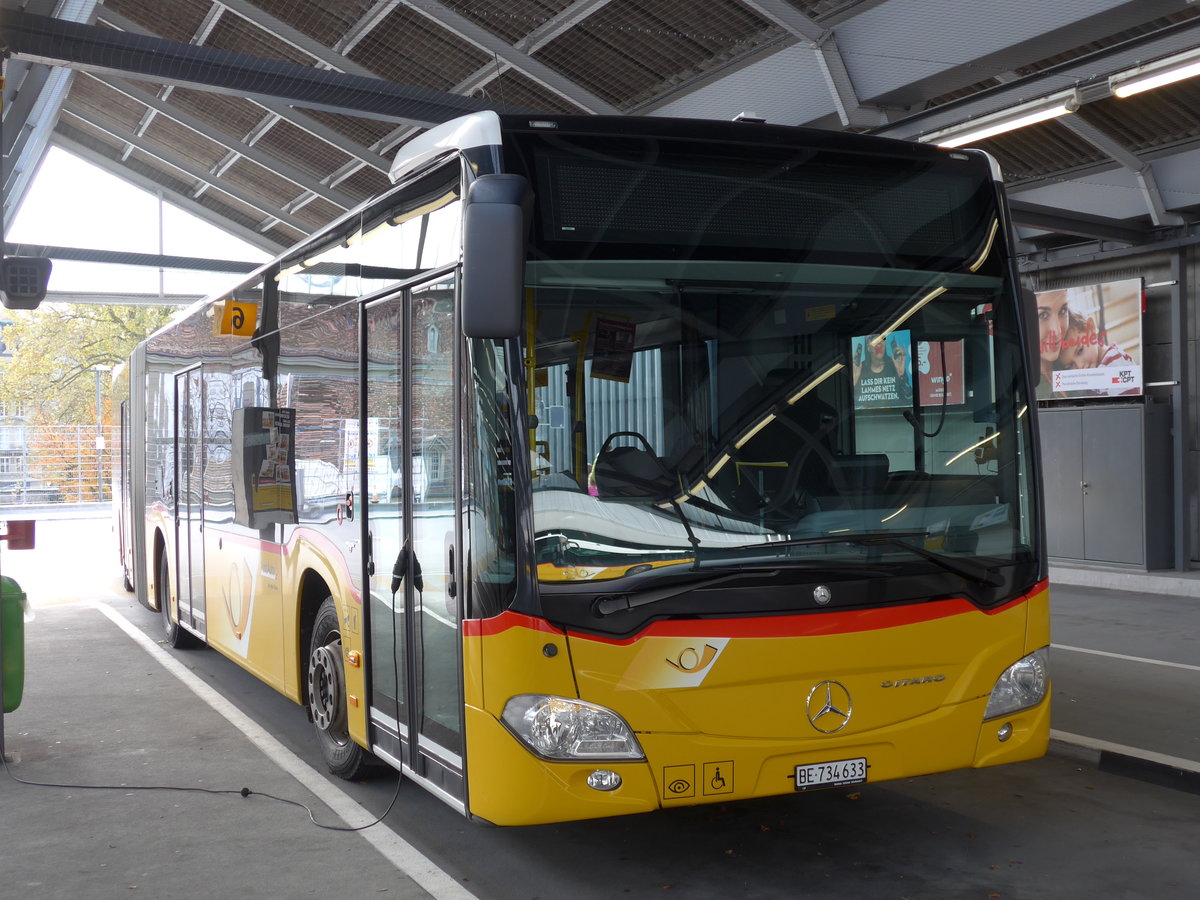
[1079, 740]
[401, 854]
[1140, 659]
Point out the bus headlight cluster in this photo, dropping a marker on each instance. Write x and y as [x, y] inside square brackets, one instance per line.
[1021, 685]
[565, 729]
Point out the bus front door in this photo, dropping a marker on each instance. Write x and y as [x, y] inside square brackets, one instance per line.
[412, 568]
[189, 508]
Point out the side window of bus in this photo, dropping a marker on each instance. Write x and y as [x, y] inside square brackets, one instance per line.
[410, 231]
[490, 499]
[418, 230]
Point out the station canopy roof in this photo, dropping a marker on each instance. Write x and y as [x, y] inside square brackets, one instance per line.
[271, 118]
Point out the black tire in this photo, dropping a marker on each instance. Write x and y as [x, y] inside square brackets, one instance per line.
[177, 636]
[326, 697]
[128, 580]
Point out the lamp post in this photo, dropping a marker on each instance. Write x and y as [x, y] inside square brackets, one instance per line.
[99, 437]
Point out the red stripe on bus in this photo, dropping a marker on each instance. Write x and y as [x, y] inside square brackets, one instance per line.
[792, 625]
[505, 621]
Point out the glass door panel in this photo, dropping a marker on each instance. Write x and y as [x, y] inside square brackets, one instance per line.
[434, 510]
[190, 508]
[388, 560]
[410, 440]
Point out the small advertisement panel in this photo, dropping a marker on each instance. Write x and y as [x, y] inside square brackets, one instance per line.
[613, 343]
[264, 489]
[940, 373]
[882, 370]
[1091, 341]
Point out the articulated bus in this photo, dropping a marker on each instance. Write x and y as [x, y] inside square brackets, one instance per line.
[606, 465]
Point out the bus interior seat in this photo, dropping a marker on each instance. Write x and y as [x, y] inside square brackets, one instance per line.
[921, 489]
[786, 462]
[630, 473]
[860, 481]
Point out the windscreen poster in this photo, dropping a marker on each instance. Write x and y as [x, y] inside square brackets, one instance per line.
[1090, 341]
[882, 371]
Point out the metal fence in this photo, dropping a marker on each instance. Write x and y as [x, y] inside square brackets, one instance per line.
[55, 464]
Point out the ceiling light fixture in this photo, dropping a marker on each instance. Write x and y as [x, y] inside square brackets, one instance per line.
[1010, 119]
[1156, 74]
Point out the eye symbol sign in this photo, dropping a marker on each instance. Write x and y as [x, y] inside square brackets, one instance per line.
[690, 660]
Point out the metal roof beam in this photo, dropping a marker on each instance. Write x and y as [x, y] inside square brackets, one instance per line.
[130, 258]
[282, 110]
[558, 25]
[325, 133]
[92, 48]
[125, 298]
[502, 50]
[185, 166]
[1143, 171]
[548, 31]
[201, 35]
[366, 23]
[239, 147]
[28, 120]
[298, 39]
[1048, 218]
[31, 105]
[824, 43]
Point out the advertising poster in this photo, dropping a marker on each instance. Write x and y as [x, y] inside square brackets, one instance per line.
[613, 342]
[1090, 341]
[940, 373]
[882, 370]
[264, 453]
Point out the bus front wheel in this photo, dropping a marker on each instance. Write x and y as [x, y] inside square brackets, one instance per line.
[177, 636]
[327, 697]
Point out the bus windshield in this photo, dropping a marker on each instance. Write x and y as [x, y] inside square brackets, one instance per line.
[840, 390]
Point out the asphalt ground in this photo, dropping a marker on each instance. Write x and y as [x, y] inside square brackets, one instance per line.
[1113, 810]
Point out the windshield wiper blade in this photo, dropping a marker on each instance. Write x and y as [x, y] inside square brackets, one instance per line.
[968, 568]
[619, 602]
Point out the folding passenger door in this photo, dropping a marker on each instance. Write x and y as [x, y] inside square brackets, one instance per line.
[189, 498]
[412, 536]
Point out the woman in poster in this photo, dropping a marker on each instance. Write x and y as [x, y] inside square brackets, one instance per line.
[883, 379]
[1054, 316]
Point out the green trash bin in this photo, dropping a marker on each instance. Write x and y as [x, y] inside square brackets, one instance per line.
[12, 642]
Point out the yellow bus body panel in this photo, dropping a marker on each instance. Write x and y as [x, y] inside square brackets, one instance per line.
[720, 707]
[252, 591]
[311, 554]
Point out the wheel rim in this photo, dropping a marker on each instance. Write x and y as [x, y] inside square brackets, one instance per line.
[325, 690]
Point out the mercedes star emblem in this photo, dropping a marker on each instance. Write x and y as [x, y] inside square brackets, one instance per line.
[829, 707]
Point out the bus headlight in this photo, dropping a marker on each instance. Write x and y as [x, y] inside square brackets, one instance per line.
[1021, 685]
[560, 728]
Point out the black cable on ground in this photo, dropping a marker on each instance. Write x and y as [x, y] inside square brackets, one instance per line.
[242, 792]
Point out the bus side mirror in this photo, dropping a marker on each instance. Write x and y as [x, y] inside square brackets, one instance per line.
[495, 222]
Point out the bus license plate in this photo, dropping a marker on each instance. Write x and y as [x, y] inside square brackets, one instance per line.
[831, 774]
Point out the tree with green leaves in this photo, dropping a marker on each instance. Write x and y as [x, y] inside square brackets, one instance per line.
[60, 357]
[55, 351]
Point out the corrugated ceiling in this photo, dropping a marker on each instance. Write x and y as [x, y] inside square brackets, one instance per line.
[207, 130]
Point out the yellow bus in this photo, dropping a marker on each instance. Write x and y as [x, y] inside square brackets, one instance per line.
[605, 465]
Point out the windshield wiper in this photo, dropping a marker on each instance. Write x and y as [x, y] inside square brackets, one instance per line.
[619, 601]
[968, 568]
